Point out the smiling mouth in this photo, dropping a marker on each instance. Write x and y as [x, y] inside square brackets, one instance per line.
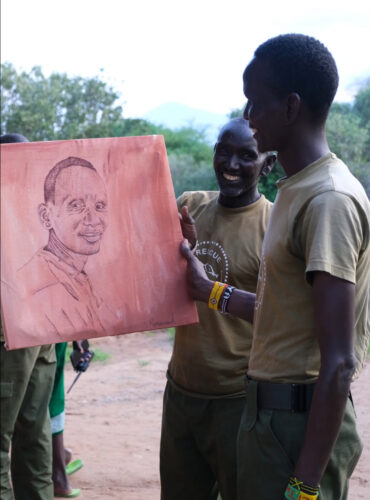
[229, 177]
[91, 237]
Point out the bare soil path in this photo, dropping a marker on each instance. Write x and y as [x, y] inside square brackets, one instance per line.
[114, 418]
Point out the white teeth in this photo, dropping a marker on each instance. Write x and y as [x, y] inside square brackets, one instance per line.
[231, 177]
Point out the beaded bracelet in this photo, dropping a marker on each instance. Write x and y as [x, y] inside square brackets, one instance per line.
[215, 295]
[298, 490]
[224, 302]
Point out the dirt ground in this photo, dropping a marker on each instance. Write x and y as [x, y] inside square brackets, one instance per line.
[113, 420]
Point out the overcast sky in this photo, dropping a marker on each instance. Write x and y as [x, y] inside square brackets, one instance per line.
[189, 51]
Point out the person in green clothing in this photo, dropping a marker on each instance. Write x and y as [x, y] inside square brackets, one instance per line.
[61, 456]
[27, 377]
[298, 436]
[205, 392]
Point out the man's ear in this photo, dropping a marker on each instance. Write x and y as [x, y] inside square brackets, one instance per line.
[268, 164]
[44, 214]
[293, 106]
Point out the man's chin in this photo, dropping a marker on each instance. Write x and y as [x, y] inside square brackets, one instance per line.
[231, 192]
[88, 250]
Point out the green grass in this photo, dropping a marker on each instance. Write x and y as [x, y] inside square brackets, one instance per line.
[99, 355]
[171, 332]
[142, 362]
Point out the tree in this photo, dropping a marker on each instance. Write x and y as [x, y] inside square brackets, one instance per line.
[57, 107]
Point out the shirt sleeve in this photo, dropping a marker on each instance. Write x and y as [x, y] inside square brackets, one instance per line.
[331, 236]
[181, 200]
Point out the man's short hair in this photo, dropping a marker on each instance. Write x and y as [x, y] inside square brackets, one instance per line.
[239, 120]
[301, 64]
[51, 178]
[11, 138]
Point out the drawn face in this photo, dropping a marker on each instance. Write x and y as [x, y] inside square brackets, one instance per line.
[79, 214]
[236, 160]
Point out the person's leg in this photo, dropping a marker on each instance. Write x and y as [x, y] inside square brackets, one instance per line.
[217, 438]
[62, 486]
[15, 369]
[185, 474]
[268, 445]
[31, 443]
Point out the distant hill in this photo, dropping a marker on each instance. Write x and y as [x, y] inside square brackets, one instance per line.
[175, 115]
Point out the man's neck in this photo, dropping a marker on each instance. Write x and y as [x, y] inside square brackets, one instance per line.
[303, 149]
[56, 247]
[243, 200]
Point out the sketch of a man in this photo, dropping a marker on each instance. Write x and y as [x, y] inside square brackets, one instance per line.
[55, 284]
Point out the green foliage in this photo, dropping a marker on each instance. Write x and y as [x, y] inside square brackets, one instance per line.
[346, 137]
[348, 132]
[182, 141]
[189, 175]
[267, 185]
[362, 104]
[61, 107]
[236, 113]
[57, 107]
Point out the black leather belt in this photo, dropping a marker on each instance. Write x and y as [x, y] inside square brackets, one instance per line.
[289, 397]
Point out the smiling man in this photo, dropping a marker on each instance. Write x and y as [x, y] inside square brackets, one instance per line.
[205, 392]
[75, 215]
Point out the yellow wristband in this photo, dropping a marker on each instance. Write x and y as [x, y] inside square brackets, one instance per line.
[215, 295]
[294, 490]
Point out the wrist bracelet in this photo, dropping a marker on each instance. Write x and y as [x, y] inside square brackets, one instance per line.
[224, 302]
[298, 490]
[215, 295]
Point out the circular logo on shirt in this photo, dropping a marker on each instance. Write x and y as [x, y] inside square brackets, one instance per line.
[214, 259]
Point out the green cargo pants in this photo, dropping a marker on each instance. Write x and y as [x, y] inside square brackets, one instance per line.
[198, 446]
[269, 443]
[27, 377]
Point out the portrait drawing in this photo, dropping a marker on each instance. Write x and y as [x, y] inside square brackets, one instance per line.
[103, 257]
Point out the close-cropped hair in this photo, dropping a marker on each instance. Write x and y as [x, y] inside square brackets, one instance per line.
[51, 178]
[303, 65]
[239, 120]
[12, 138]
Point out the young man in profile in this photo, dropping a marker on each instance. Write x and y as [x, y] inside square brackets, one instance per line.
[298, 437]
[205, 392]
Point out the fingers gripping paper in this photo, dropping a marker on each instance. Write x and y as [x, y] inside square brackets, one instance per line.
[90, 241]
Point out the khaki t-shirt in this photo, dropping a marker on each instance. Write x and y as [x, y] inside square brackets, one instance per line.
[320, 222]
[210, 358]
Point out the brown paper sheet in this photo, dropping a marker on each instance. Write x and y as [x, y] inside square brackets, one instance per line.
[89, 241]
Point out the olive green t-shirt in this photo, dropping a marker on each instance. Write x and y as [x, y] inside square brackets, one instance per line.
[320, 222]
[210, 358]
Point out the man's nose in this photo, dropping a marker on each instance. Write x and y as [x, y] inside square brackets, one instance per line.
[234, 162]
[91, 217]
